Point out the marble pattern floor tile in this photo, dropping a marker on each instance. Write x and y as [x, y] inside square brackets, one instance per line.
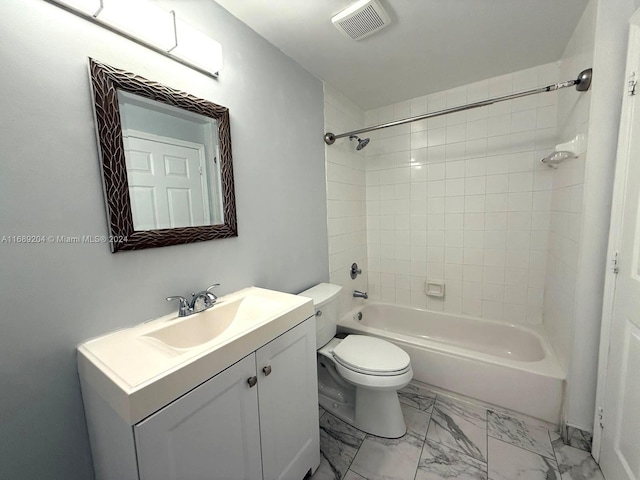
[575, 464]
[579, 439]
[491, 406]
[459, 425]
[385, 459]
[351, 475]
[339, 443]
[325, 471]
[417, 422]
[397, 459]
[519, 432]
[508, 462]
[452, 438]
[439, 462]
[418, 397]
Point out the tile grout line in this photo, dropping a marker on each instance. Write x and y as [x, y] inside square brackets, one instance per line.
[555, 455]
[424, 442]
[354, 457]
[487, 432]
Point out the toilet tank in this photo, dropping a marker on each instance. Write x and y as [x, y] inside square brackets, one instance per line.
[325, 298]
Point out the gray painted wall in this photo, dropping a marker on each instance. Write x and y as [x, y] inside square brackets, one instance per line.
[55, 296]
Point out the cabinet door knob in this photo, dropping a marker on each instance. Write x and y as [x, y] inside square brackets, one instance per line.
[267, 370]
[252, 381]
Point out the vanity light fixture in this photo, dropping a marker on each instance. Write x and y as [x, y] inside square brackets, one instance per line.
[152, 27]
[196, 47]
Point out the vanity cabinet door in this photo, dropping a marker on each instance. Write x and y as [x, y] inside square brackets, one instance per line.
[288, 401]
[211, 432]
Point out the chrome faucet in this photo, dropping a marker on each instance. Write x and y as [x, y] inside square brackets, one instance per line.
[184, 310]
[359, 294]
[203, 300]
[200, 302]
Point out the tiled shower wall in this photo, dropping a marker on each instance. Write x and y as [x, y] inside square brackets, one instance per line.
[565, 235]
[345, 198]
[462, 199]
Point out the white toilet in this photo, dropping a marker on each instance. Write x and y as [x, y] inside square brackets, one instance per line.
[358, 376]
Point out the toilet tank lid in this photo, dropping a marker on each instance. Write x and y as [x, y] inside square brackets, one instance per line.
[322, 293]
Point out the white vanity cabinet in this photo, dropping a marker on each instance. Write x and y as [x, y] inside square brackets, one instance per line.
[211, 432]
[254, 416]
[288, 404]
[227, 429]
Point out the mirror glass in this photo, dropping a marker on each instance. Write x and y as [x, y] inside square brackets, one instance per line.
[172, 164]
[166, 162]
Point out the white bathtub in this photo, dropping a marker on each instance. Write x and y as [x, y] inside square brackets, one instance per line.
[507, 365]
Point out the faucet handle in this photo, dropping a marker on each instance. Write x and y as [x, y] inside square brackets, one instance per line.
[177, 297]
[211, 287]
[184, 308]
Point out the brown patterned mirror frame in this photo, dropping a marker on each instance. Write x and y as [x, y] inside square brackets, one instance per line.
[105, 81]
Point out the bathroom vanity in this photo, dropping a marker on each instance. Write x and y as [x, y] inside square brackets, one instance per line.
[227, 393]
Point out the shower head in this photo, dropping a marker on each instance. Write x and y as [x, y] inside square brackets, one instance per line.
[361, 142]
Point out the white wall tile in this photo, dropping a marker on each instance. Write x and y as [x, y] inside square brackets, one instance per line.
[496, 202]
[475, 185]
[455, 169]
[475, 204]
[521, 182]
[520, 202]
[493, 274]
[455, 151]
[492, 310]
[515, 313]
[475, 166]
[495, 220]
[454, 187]
[499, 125]
[495, 239]
[436, 154]
[477, 129]
[455, 204]
[525, 120]
[462, 198]
[436, 188]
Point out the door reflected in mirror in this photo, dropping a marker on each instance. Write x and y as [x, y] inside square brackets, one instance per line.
[172, 159]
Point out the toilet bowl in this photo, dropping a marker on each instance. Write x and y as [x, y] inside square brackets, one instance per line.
[358, 376]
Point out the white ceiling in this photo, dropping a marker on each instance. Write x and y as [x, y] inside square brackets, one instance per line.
[431, 45]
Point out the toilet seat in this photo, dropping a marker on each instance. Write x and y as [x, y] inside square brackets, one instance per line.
[370, 356]
[370, 371]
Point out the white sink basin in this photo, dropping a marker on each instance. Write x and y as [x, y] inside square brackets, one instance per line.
[139, 370]
[223, 321]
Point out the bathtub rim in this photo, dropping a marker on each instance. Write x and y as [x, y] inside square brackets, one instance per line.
[548, 366]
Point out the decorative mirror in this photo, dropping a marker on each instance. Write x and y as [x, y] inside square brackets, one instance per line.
[166, 162]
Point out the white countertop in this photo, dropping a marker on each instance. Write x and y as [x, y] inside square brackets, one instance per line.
[137, 376]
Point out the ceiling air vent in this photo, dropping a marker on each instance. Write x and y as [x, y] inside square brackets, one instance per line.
[361, 19]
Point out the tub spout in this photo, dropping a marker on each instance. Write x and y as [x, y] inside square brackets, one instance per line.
[359, 294]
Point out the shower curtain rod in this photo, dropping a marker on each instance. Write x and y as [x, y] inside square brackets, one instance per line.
[582, 84]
